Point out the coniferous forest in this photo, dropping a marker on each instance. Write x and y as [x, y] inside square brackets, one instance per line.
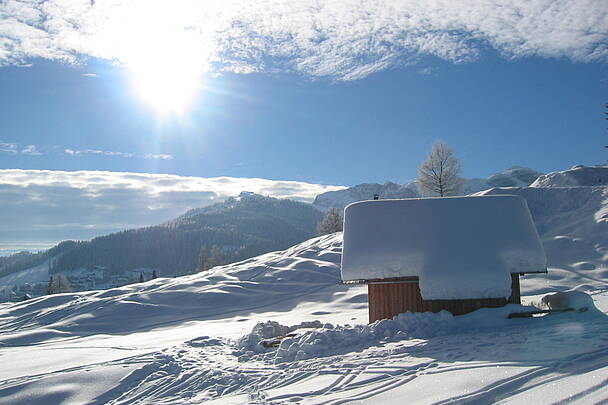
[235, 229]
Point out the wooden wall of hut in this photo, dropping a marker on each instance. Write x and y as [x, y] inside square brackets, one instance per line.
[387, 299]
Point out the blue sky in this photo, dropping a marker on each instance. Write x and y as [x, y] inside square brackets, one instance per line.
[319, 92]
[542, 113]
[335, 92]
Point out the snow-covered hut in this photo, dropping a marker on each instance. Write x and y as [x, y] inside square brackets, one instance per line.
[429, 254]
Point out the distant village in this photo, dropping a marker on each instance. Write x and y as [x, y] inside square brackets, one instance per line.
[95, 278]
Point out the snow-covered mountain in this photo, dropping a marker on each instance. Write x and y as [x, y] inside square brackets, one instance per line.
[365, 191]
[514, 177]
[196, 339]
[579, 175]
[570, 209]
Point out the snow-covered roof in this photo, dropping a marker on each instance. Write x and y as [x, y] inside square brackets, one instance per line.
[459, 247]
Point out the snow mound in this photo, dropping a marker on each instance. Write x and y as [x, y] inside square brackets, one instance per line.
[263, 332]
[578, 176]
[578, 300]
[331, 340]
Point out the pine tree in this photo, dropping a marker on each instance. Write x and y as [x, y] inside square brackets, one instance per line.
[154, 274]
[141, 277]
[202, 259]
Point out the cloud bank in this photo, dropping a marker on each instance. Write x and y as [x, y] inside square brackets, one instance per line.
[42, 207]
[342, 39]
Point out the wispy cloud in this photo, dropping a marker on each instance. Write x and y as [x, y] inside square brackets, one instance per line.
[345, 39]
[44, 205]
[31, 150]
[427, 71]
[14, 149]
[162, 156]
[90, 75]
[74, 152]
[9, 147]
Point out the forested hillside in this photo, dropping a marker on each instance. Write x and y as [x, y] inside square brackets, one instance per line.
[239, 227]
[25, 260]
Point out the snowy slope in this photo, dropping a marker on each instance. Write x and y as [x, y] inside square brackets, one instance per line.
[573, 225]
[194, 339]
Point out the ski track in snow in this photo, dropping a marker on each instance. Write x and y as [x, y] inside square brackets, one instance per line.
[205, 368]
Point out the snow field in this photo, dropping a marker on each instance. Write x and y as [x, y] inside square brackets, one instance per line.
[165, 342]
[193, 340]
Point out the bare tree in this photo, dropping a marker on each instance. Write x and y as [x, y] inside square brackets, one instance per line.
[439, 175]
[332, 222]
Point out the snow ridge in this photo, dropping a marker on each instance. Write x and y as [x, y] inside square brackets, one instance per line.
[577, 176]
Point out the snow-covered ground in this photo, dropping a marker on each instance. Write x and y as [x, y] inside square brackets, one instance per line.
[195, 339]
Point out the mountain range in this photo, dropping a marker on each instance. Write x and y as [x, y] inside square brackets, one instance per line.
[516, 176]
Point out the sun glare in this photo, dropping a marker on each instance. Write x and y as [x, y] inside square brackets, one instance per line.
[166, 85]
[165, 57]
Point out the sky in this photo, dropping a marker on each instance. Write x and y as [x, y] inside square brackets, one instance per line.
[332, 93]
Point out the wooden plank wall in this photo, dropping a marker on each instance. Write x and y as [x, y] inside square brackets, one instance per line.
[390, 299]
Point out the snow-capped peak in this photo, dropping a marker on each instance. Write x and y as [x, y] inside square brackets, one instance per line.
[577, 176]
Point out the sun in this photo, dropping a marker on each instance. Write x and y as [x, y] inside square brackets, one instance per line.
[167, 63]
[166, 52]
[167, 85]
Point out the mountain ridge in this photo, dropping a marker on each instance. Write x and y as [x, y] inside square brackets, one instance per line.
[515, 176]
[241, 227]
